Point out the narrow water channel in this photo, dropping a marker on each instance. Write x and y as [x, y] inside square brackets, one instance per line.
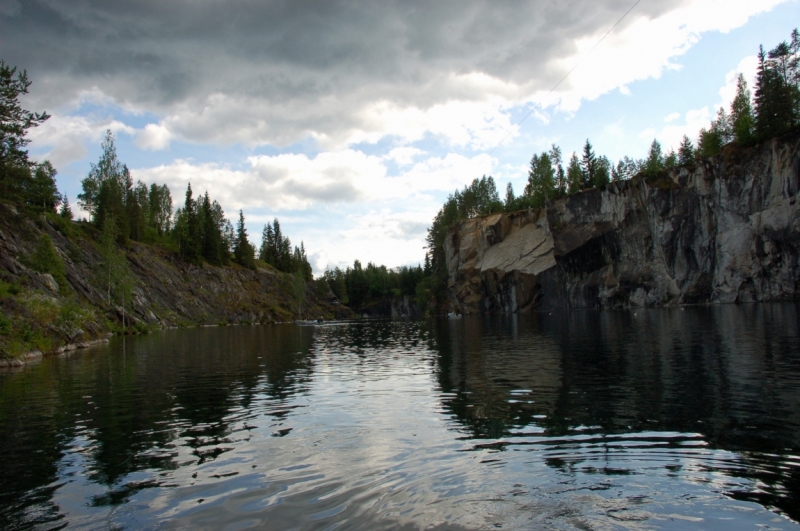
[646, 419]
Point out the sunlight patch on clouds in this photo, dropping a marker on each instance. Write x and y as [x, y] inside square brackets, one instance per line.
[299, 182]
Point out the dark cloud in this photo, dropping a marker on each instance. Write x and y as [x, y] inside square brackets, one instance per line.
[280, 70]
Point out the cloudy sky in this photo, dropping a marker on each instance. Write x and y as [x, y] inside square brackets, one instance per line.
[352, 121]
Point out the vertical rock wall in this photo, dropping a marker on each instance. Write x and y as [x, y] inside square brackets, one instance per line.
[727, 230]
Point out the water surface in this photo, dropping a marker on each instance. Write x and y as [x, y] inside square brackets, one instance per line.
[646, 419]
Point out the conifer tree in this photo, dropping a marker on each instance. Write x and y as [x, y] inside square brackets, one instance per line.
[742, 113]
[655, 160]
[510, 203]
[588, 164]
[188, 228]
[66, 211]
[14, 124]
[686, 151]
[602, 172]
[242, 250]
[560, 177]
[575, 175]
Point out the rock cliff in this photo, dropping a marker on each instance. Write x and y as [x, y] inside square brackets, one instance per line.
[167, 291]
[727, 230]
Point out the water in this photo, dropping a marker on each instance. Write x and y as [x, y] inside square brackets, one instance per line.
[646, 419]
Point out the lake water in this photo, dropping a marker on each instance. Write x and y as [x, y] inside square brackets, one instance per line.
[646, 419]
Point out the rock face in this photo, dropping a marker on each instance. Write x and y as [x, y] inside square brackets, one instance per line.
[727, 230]
[166, 290]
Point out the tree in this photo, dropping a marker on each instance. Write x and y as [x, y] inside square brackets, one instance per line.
[541, 181]
[655, 160]
[560, 177]
[686, 151]
[66, 211]
[188, 229]
[510, 203]
[14, 125]
[709, 143]
[588, 164]
[45, 259]
[114, 271]
[602, 172]
[742, 113]
[108, 168]
[42, 192]
[243, 252]
[160, 202]
[575, 175]
[212, 247]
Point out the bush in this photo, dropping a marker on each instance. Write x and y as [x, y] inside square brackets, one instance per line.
[45, 259]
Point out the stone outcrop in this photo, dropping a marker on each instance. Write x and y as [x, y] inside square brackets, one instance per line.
[727, 230]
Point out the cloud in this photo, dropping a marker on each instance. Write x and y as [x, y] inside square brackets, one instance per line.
[342, 73]
[672, 117]
[299, 182]
[694, 120]
[154, 137]
[62, 139]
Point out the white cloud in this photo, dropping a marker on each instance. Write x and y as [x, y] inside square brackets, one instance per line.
[748, 67]
[154, 137]
[404, 155]
[299, 182]
[62, 139]
[672, 117]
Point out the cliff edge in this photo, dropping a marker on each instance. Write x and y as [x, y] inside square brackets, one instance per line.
[726, 230]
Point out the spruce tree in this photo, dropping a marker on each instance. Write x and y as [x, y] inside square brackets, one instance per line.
[575, 175]
[742, 113]
[686, 152]
[189, 234]
[242, 250]
[655, 160]
[588, 164]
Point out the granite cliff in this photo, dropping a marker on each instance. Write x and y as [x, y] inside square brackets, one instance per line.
[726, 230]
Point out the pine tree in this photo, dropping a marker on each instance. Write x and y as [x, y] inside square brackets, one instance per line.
[575, 175]
[242, 250]
[541, 181]
[560, 177]
[655, 160]
[14, 124]
[66, 211]
[588, 164]
[602, 172]
[189, 234]
[510, 204]
[742, 113]
[686, 152]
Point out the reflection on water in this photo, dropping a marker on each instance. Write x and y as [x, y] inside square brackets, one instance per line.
[646, 419]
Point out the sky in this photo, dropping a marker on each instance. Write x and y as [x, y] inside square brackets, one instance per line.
[351, 122]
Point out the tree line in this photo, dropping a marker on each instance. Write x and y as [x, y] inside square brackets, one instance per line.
[358, 286]
[772, 110]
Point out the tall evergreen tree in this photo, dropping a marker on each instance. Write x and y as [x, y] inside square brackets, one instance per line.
[575, 175]
[243, 253]
[742, 113]
[14, 124]
[602, 173]
[541, 180]
[686, 151]
[655, 159]
[588, 164]
[560, 176]
[189, 233]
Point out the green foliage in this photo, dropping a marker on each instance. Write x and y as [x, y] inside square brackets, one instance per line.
[276, 250]
[686, 152]
[109, 193]
[358, 286]
[541, 184]
[243, 252]
[114, 272]
[742, 121]
[45, 259]
[602, 172]
[5, 325]
[588, 165]
[65, 212]
[777, 95]
[654, 163]
[14, 124]
[575, 176]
